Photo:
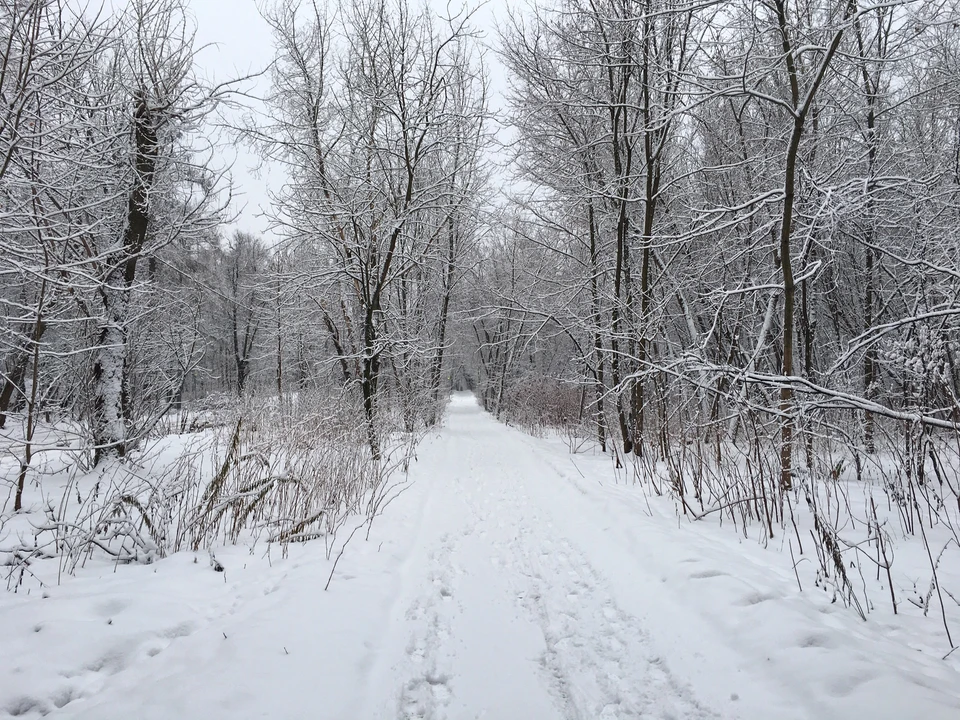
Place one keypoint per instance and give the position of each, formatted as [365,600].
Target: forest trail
[510,580]
[503,613]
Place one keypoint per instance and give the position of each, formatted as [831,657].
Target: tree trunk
[436,370]
[801,107]
[16,372]
[110,412]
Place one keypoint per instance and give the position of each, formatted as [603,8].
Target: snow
[509,580]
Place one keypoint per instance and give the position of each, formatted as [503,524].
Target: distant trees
[243,269]
[597,97]
[378,114]
[99,177]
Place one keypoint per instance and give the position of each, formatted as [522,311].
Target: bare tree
[380,111]
[244,266]
[152,71]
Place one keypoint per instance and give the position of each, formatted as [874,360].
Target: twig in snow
[793,560]
[340,554]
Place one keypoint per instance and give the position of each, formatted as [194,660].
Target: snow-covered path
[502,614]
[509,581]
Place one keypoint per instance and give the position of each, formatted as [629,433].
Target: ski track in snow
[597,661]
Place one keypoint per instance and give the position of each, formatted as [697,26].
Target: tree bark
[110,371]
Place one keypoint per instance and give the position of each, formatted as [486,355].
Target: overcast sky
[238,43]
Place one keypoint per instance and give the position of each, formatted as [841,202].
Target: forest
[714,242]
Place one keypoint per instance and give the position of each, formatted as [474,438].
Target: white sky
[236,42]
[239,43]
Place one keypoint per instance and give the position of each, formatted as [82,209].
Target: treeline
[104,197]
[732,264]
[122,293]
[726,252]
[737,212]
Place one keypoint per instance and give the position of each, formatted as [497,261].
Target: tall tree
[379,114]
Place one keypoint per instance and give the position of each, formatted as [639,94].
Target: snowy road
[510,581]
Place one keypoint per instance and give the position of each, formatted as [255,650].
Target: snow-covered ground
[509,580]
